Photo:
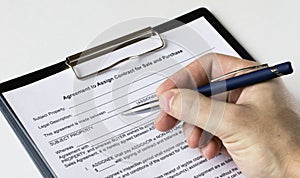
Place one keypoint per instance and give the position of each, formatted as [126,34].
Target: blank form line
[129,103]
[106,168]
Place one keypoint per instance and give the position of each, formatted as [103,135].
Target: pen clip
[251,68]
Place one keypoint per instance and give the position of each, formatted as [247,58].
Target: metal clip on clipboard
[110,54]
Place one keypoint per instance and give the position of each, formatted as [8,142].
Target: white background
[35,34]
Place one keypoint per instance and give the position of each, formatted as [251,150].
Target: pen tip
[141,109]
[127,113]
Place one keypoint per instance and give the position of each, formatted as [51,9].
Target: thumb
[194,108]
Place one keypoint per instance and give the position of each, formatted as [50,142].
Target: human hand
[258,126]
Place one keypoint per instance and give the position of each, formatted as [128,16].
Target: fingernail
[201,151]
[158,118]
[205,139]
[188,132]
[165,101]
[204,152]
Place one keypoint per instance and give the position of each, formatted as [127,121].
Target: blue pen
[218,87]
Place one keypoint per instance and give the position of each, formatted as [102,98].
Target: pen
[218,87]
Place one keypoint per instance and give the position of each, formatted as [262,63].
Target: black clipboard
[21,132]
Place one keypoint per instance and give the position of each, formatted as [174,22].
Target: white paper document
[79,130]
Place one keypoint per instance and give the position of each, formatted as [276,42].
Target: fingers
[212,148]
[209,145]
